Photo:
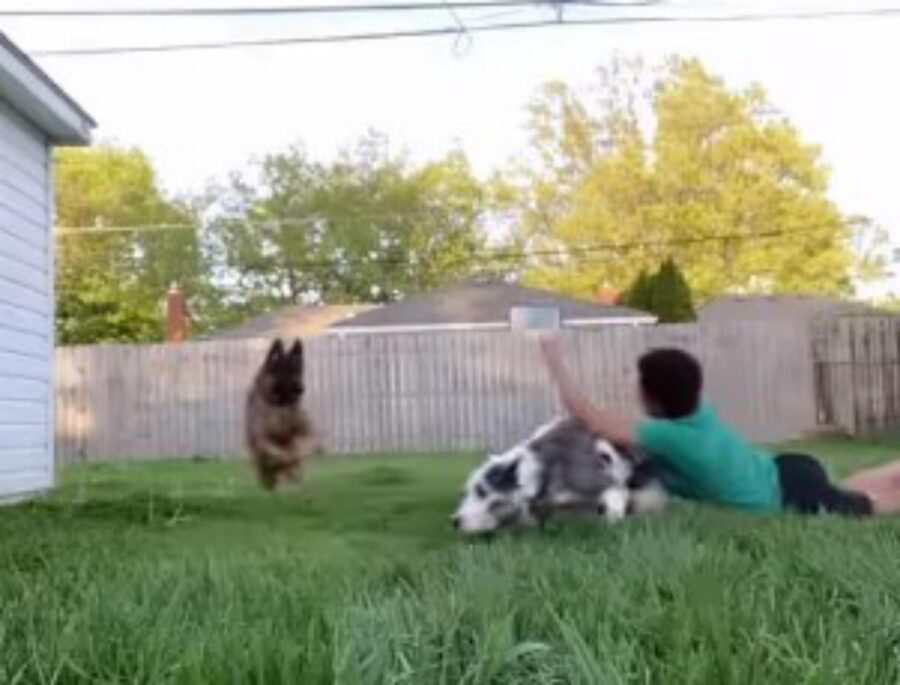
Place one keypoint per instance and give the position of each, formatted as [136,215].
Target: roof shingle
[298,321]
[480,303]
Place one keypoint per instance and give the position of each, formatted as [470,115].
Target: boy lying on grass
[703,459]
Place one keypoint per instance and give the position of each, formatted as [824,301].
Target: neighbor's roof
[481,303]
[770,307]
[34,95]
[299,321]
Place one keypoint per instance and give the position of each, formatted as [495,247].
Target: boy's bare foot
[881,484]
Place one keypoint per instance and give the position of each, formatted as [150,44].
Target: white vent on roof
[539,319]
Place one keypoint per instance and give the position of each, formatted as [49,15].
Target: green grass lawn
[187,573]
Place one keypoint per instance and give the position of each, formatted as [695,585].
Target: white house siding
[26,308]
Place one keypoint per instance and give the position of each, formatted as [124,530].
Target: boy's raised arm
[599,421]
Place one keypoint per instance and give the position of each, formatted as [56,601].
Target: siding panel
[24,183]
[32,167]
[21,319]
[21,136]
[24,229]
[22,412]
[31,343]
[27,276]
[20,482]
[19,205]
[14,388]
[14,293]
[22,436]
[19,459]
[26,458]
[33,366]
[14,247]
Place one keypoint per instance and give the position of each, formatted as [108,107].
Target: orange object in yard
[177,317]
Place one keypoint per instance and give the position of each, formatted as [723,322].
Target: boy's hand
[598,420]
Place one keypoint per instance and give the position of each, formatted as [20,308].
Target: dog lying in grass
[279,433]
[562,467]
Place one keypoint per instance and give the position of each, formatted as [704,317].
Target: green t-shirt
[704,459]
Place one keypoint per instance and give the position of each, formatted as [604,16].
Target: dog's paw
[613,504]
[649,499]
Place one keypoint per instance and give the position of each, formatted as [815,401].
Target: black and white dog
[562,467]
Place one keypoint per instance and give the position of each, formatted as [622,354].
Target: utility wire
[578,252]
[875,12]
[463,42]
[65,231]
[233,222]
[595,253]
[315,9]
[230,223]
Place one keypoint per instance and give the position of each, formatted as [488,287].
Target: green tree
[640,293]
[111,282]
[677,164]
[664,293]
[670,298]
[367,227]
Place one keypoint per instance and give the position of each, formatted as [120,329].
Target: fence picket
[475,389]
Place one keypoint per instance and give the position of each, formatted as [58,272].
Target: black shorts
[806,489]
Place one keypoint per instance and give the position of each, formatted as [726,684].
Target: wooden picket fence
[411,392]
[857,371]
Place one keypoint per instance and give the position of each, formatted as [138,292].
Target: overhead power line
[587,253]
[376,36]
[581,254]
[230,222]
[351,8]
[578,252]
[67,231]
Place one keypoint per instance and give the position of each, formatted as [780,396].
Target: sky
[200,115]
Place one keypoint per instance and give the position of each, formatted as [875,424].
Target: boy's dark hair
[672,380]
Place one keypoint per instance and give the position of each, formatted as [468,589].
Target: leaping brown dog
[279,433]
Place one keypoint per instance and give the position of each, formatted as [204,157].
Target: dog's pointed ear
[296,354]
[276,352]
